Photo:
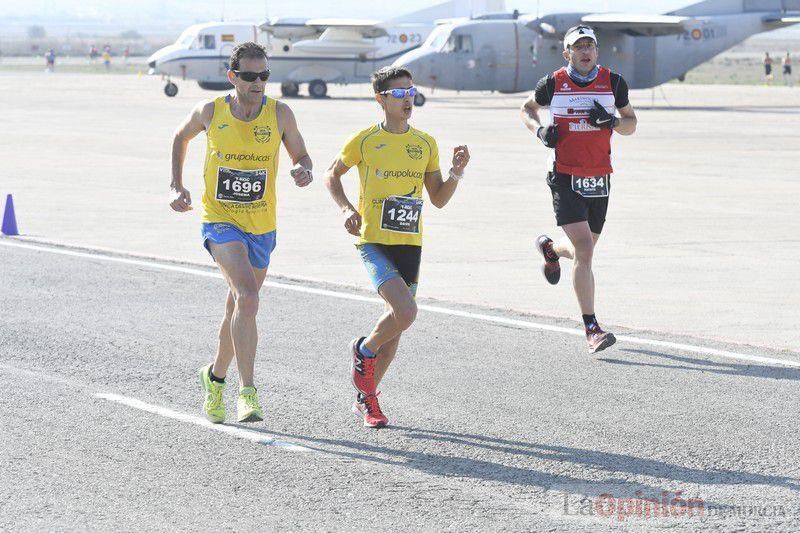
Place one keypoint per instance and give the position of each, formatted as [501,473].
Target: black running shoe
[550,268]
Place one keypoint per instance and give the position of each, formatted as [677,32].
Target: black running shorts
[571,207]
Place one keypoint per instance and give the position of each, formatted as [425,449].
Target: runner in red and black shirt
[583,98]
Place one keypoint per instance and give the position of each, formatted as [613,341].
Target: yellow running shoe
[248,408]
[213,406]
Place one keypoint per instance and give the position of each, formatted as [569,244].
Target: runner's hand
[352,222]
[548,135]
[460,159]
[181,200]
[301,175]
[599,117]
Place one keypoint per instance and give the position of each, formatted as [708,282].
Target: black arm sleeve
[620,88]
[544,90]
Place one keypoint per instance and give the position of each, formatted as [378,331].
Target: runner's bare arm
[439,190]
[333,182]
[295,146]
[627,121]
[197,121]
[530,114]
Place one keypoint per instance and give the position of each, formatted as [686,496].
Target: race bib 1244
[401,214]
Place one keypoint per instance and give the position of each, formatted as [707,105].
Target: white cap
[579,32]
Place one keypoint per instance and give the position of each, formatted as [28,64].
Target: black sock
[590,321]
[212,377]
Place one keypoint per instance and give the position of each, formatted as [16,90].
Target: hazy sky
[170,16]
[212,9]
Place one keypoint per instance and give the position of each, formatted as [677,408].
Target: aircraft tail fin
[735,7]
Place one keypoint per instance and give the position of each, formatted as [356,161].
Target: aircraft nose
[152,62]
[418,63]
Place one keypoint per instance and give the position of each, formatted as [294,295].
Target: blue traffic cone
[9,220]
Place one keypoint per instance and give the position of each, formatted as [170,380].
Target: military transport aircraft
[510,52]
[306,50]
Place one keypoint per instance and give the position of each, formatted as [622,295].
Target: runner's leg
[386,354]
[401,310]
[580,251]
[225,352]
[234,263]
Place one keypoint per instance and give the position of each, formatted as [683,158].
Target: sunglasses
[251,76]
[400,93]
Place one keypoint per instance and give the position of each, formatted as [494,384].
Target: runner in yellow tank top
[241,164]
[244,133]
[394,162]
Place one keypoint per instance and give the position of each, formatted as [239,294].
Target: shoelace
[251,400]
[550,255]
[215,393]
[367,366]
[373,408]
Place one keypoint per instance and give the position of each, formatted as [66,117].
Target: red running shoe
[362,369]
[599,340]
[551,269]
[368,407]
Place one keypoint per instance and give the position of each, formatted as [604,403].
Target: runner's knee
[405,314]
[584,249]
[246,302]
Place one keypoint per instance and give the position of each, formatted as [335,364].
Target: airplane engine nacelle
[556,25]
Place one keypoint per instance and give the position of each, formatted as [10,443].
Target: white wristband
[455,176]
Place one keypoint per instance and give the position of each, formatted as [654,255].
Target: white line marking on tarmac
[241,433]
[430,308]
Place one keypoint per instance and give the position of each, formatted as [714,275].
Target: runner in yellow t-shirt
[394,162]
[244,131]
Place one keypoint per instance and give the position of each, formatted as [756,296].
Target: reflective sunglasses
[251,76]
[400,93]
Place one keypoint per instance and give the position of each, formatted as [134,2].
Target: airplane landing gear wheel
[290,89]
[170,89]
[419,99]
[318,89]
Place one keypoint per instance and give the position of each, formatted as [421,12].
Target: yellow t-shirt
[241,163]
[392,168]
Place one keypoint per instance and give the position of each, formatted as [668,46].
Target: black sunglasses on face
[251,76]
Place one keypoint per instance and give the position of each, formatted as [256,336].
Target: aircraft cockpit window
[438,37]
[187,40]
[459,43]
[209,43]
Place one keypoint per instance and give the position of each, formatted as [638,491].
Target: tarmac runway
[701,238]
[495,425]
[500,419]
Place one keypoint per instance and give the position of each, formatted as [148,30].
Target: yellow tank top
[392,169]
[241,164]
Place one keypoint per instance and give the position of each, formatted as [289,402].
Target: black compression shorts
[571,207]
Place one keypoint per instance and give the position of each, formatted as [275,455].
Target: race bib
[401,214]
[240,186]
[590,186]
